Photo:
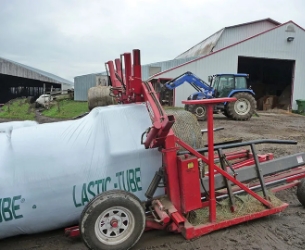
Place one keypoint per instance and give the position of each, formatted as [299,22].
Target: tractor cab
[224,84]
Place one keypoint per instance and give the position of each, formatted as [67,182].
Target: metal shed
[272,54]
[17,79]
[83,83]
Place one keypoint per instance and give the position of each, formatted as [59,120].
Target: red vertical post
[209,103]
[212,204]
[137,72]
[137,75]
[119,68]
[127,62]
[114,81]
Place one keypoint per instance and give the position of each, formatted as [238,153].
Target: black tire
[301,192]
[225,113]
[127,213]
[243,108]
[187,106]
[200,112]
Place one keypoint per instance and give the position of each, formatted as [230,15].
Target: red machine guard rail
[210,160]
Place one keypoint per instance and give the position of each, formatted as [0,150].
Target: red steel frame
[132,89]
[169,155]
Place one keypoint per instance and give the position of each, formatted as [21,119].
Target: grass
[66,109]
[17,109]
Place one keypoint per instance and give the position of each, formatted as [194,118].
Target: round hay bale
[99,96]
[186,127]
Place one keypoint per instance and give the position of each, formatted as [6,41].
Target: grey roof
[211,43]
[38,74]
[257,21]
[204,47]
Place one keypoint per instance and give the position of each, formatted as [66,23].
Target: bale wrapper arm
[190,187]
[135,90]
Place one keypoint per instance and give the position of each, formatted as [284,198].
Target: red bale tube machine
[193,179]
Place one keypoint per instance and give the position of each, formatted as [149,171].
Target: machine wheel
[243,108]
[301,192]
[112,220]
[200,112]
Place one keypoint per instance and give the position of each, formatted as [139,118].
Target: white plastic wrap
[7,127]
[49,172]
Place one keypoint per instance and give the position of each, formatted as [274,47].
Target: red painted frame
[161,135]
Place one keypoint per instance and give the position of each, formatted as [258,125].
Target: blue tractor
[220,85]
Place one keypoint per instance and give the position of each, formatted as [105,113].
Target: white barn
[273,54]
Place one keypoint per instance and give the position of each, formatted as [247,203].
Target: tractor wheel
[200,112]
[243,108]
[225,113]
[301,192]
[112,220]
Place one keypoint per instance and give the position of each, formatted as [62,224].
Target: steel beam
[269,167]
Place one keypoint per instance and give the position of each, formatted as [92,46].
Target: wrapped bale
[49,172]
[99,96]
[9,126]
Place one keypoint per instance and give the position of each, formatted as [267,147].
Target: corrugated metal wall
[83,83]
[272,44]
[235,34]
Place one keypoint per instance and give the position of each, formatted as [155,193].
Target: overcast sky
[75,37]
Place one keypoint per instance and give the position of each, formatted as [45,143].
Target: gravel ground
[284,231]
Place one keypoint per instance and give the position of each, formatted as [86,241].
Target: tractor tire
[225,113]
[301,192]
[200,111]
[187,107]
[112,220]
[243,108]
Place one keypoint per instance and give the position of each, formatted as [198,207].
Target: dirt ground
[284,231]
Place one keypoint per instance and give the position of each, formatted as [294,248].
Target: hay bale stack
[99,96]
